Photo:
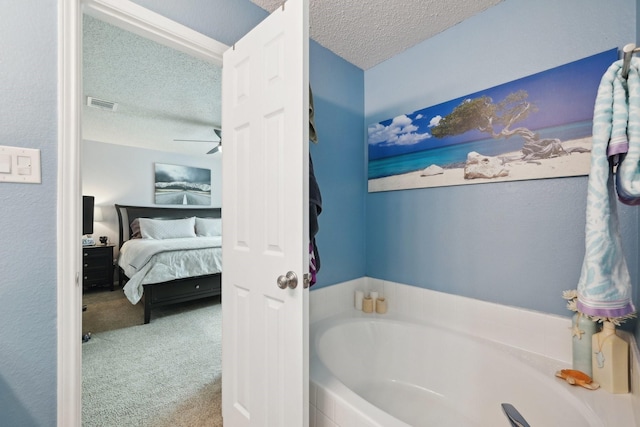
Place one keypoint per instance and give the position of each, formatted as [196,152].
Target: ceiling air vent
[101,104]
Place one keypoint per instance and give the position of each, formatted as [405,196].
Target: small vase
[582,329]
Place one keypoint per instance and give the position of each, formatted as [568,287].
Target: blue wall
[28,286]
[338,94]
[516,243]
[223,20]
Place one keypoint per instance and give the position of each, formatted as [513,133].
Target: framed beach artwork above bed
[182,185]
[531,128]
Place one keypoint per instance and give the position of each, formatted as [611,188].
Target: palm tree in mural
[497,119]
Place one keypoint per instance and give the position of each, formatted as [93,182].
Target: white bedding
[147,261]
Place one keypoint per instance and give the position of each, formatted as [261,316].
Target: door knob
[289,281]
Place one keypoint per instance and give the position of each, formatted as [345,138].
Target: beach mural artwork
[182,185]
[531,128]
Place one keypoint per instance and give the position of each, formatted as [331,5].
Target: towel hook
[628,51]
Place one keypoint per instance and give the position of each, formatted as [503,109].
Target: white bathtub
[382,371]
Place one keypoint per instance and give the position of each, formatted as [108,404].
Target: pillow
[167,228]
[209,226]
[135,229]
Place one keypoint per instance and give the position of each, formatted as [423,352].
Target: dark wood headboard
[126,215]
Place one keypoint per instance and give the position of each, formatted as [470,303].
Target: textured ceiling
[163,94]
[366,33]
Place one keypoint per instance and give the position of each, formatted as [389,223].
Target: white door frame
[141,21]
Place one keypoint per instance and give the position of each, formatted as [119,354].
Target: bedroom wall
[28,216]
[516,243]
[125,175]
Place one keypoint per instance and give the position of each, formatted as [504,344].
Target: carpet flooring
[165,373]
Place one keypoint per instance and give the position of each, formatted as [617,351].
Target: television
[87,214]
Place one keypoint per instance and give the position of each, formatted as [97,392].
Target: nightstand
[97,266]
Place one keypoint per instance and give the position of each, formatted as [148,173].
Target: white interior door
[265,124]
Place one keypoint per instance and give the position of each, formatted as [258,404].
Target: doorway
[295,27]
[166,105]
[138,20]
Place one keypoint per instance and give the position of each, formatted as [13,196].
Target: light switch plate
[19,164]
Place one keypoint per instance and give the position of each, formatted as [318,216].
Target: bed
[169,255]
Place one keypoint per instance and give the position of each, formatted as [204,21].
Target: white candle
[374,298]
[358,299]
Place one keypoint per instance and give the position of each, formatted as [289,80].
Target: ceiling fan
[216,149]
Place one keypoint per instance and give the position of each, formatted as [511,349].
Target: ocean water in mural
[455,155]
[530,121]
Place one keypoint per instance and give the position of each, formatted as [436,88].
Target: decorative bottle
[582,330]
[610,360]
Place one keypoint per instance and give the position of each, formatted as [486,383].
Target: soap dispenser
[610,363]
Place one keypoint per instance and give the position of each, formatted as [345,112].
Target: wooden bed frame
[174,291]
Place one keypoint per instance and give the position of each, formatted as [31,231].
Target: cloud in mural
[401,131]
[435,121]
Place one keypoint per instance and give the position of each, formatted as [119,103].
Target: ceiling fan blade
[216,149]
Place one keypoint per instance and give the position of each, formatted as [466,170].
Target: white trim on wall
[69,295]
[141,21]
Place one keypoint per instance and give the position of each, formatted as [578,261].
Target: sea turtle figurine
[575,377]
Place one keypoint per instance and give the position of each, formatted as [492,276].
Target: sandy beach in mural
[574,164]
